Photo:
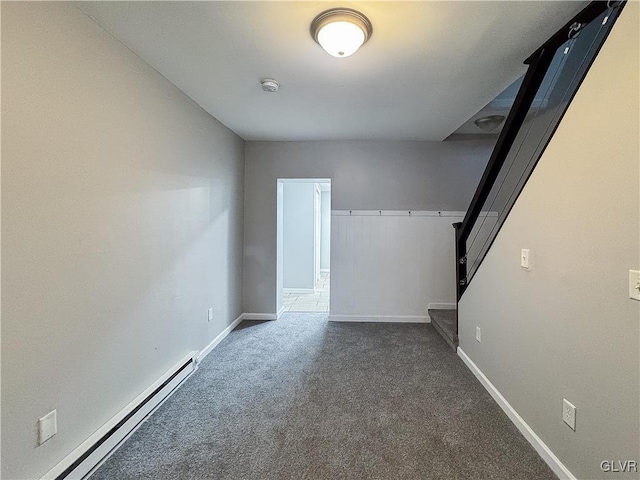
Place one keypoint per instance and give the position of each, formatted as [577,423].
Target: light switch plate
[210,314]
[634,284]
[478,334]
[47,427]
[524,258]
[569,413]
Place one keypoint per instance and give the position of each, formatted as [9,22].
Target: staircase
[444,321]
[554,74]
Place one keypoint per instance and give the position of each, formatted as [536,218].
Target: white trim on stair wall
[536,442]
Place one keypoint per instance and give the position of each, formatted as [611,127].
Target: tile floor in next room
[309,302]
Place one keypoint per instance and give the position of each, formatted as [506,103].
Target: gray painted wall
[298,235]
[365,175]
[122,223]
[325,230]
[567,328]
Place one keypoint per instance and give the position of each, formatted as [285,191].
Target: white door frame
[317,199]
[279,223]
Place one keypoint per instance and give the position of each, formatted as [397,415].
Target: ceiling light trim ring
[341,14]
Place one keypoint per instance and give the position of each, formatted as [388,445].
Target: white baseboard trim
[205,351]
[301,291]
[94,451]
[380,318]
[280,312]
[259,316]
[536,442]
[441,306]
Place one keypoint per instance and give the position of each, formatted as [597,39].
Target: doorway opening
[303,245]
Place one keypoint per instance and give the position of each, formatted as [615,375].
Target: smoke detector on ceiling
[269,85]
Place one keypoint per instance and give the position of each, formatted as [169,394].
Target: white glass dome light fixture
[341,31]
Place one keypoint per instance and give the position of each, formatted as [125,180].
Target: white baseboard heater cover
[100,450]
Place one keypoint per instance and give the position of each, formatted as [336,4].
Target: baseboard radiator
[91,454]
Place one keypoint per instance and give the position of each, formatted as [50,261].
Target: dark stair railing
[554,74]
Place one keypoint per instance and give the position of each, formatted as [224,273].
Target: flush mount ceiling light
[341,31]
[490,123]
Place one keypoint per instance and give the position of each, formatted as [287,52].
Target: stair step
[444,321]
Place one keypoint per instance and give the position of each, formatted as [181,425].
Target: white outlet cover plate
[47,427]
[569,413]
[634,282]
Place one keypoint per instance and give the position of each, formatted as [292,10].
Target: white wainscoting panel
[393,264]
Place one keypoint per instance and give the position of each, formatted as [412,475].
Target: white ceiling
[427,69]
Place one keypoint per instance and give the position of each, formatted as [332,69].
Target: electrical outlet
[569,413]
[478,334]
[524,258]
[210,314]
[47,427]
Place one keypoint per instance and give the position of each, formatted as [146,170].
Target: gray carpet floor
[302,398]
